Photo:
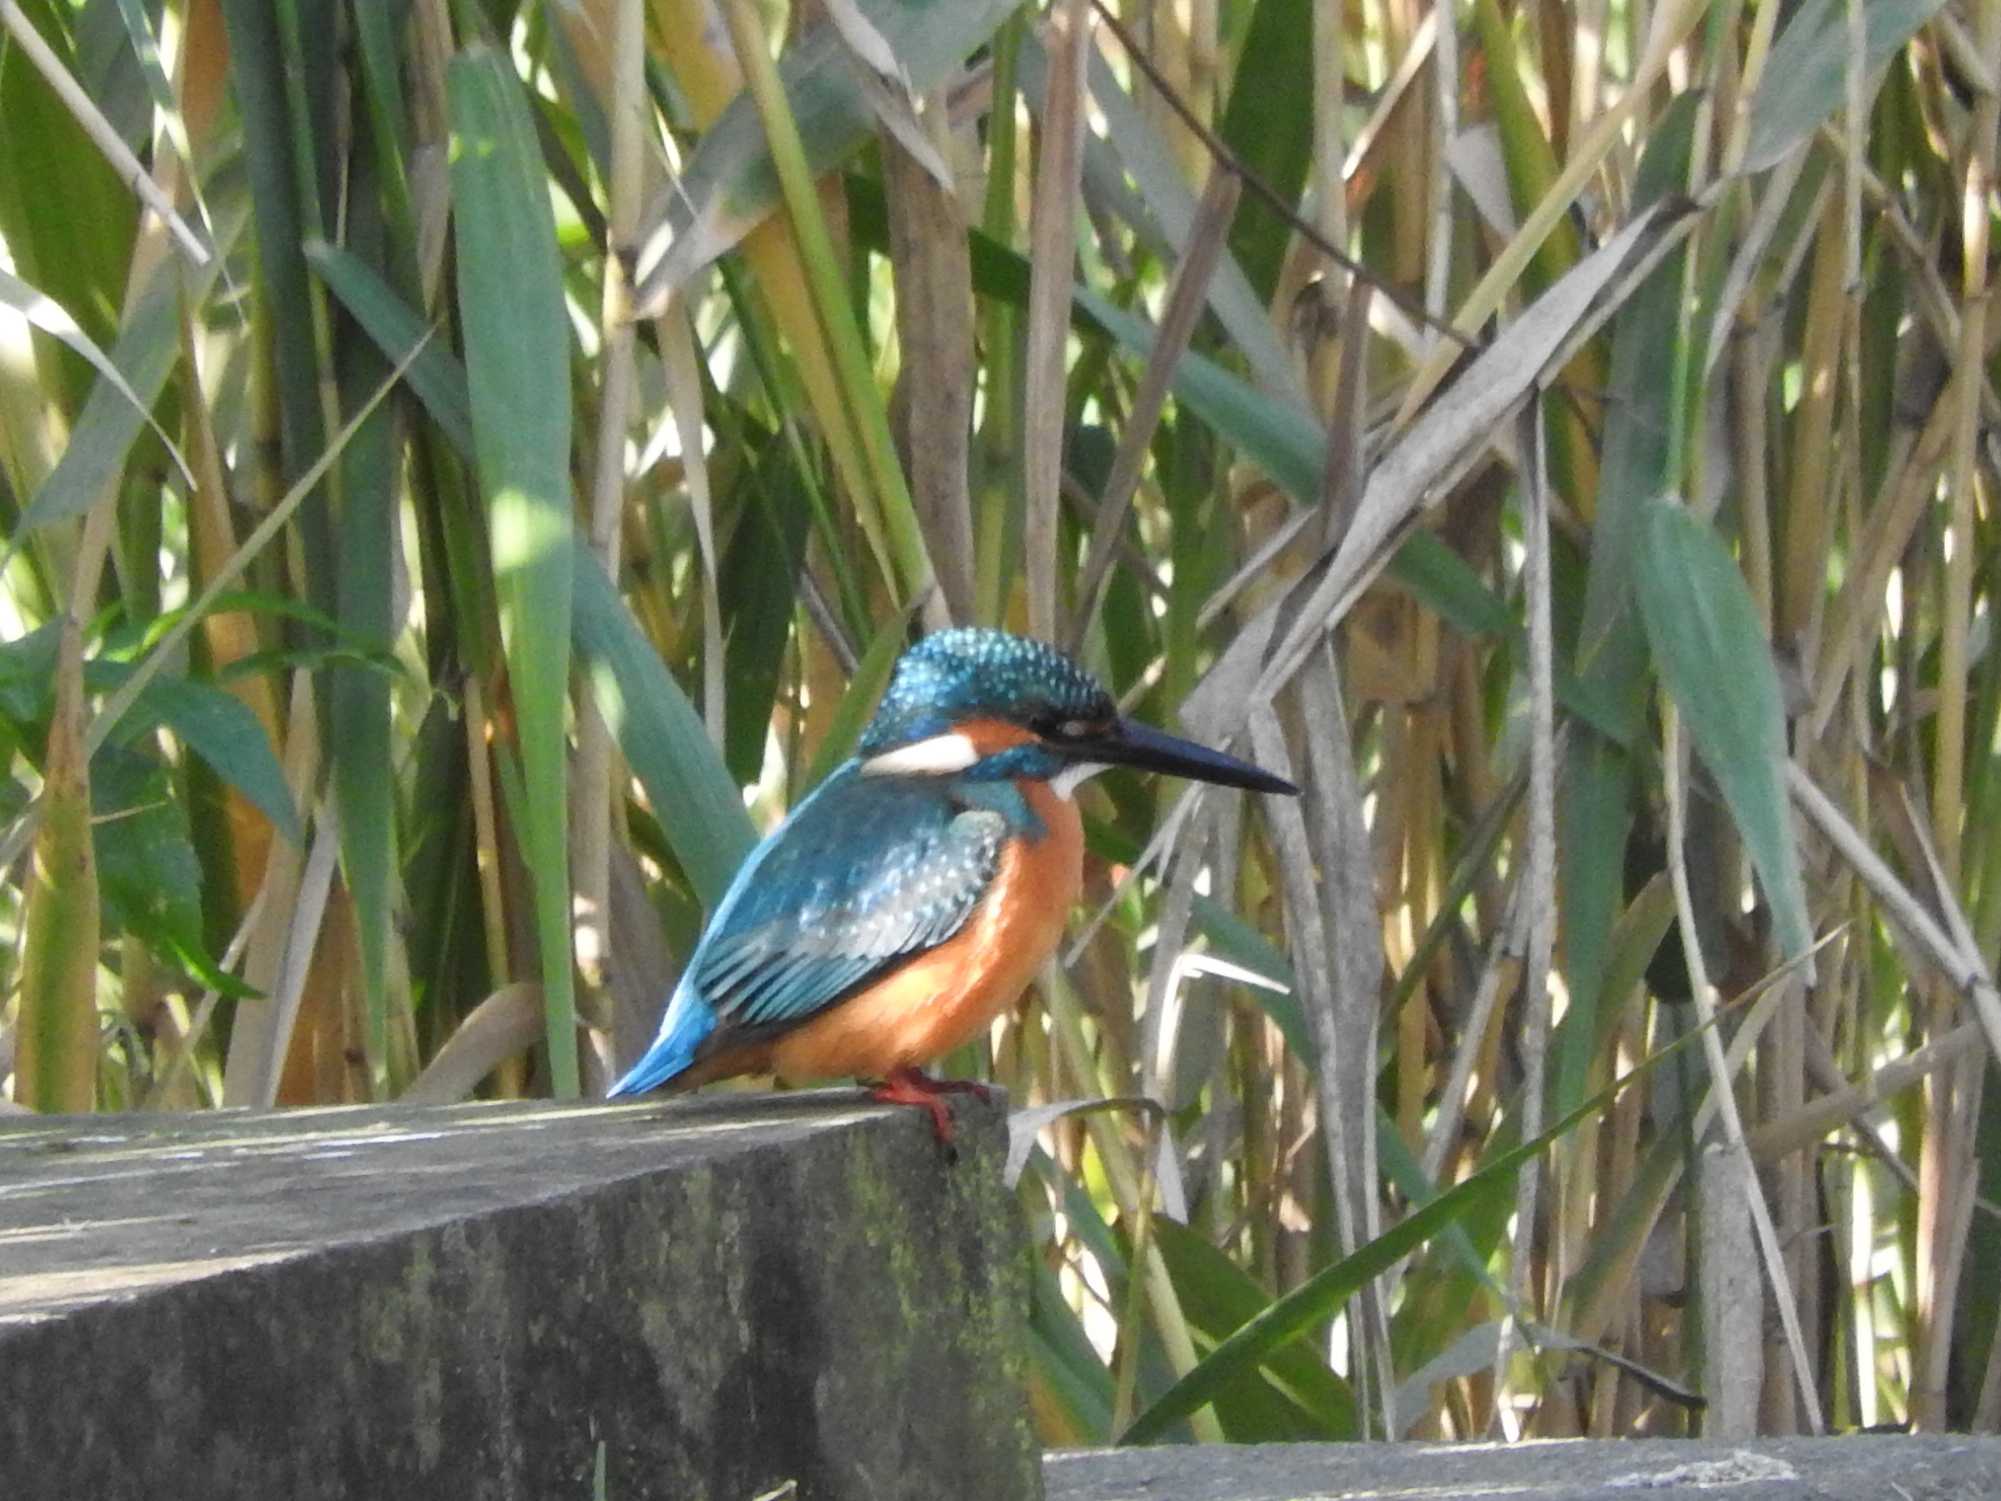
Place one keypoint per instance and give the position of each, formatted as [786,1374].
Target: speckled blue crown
[964,674]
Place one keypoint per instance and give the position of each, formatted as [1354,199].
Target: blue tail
[683,1029]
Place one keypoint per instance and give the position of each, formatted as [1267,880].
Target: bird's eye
[1052,724]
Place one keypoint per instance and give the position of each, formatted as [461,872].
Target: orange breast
[929,1005]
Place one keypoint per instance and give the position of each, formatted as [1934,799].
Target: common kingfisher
[912,896]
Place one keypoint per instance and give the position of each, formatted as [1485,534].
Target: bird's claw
[912,1086]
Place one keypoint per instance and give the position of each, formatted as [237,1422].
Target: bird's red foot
[912,1086]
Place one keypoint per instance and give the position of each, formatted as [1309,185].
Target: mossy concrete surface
[1875,1467]
[708,1298]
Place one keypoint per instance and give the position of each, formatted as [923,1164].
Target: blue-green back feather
[867,872]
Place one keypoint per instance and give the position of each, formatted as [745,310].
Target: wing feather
[862,877]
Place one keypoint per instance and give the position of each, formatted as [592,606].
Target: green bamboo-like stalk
[885,505]
[994,500]
[56,1064]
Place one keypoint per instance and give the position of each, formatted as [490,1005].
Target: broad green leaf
[219,727]
[1237,941]
[1063,1363]
[1611,650]
[517,338]
[1294,1396]
[147,871]
[1268,123]
[1805,75]
[1595,810]
[65,217]
[443,943]
[755,589]
[1594,815]
[28,674]
[435,375]
[1711,652]
[660,734]
[214,724]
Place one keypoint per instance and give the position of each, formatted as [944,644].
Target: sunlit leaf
[53,319]
[117,411]
[518,363]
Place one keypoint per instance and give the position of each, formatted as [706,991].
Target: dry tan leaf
[507,1022]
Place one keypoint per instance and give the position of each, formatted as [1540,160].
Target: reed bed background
[466,467]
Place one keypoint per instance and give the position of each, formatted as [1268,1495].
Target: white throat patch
[1070,778]
[941,755]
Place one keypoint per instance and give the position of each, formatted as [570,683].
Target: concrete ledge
[1867,1468]
[720,1295]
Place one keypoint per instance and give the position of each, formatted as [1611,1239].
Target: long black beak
[1130,743]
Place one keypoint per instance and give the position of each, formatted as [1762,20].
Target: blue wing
[863,874]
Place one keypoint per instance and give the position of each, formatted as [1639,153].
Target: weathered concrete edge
[841,1309]
[1941,1467]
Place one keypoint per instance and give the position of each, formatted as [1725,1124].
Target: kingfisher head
[986,704]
